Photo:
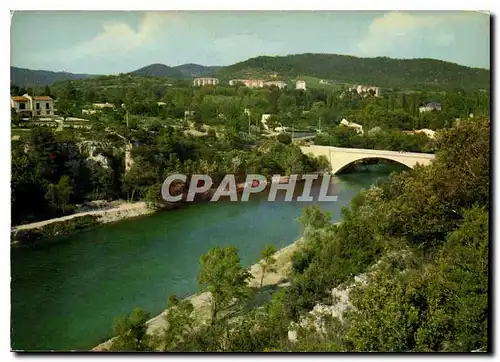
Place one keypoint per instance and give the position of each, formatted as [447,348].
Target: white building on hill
[357,127]
[278,83]
[200,82]
[250,83]
[300,84]
[364,90]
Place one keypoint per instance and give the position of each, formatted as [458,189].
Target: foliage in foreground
[427,232]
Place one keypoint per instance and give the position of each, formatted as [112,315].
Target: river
[66,292]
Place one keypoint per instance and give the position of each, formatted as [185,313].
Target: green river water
[66,292]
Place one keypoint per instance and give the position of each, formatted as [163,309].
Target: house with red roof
[33,106]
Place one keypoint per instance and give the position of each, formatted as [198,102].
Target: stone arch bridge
[341,157]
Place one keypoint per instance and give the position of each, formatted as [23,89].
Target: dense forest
[382,140]
[411,255]
[52,172]
[381,71]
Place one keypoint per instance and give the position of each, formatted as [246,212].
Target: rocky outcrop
[339,300]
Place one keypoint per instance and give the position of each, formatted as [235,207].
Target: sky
[111,42]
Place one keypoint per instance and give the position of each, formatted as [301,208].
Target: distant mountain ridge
[382,71]
[23,77]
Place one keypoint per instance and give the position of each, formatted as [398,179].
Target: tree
[65,108]
[14,90]
[131,333]
[267,260]
[223,276]
[47,92]
[441,305]
[14,116]
[153,198]
[179,322]
[68,100]
[284,138]
[59,194]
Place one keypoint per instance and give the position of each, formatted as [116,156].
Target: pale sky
[110,42]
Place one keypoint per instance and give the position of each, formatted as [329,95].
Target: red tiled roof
[42,98]
[19,99]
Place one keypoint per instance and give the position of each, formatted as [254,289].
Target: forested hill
[31,78]
[158,70]
[382,71]
[196,70]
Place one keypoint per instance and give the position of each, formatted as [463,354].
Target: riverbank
[57,226]
[201,302]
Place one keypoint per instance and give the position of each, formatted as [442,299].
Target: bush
[284,138]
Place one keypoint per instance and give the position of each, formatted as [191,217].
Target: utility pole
[319,125]
[126,113]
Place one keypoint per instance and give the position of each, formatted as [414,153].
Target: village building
[357,127]
[33,106]
[201,82]
[300,84]
[277,83]
[365,90]
[431,106]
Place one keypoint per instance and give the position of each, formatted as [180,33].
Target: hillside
[158,70]
[196,70]
[382,71]
[30,78]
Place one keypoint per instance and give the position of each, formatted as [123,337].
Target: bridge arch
[340,157]
[339,167]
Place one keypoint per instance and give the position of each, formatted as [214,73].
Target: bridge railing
[370,151]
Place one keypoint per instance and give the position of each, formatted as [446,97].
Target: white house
[189,113]
[300,84]
[103,105]
[264,119]
[281,129]
[33,106]
[278,83]
[428,132]
[365,90]
[200,82]
[432,106]
[250,83]
[357,127]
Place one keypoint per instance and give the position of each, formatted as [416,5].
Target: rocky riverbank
[78,221]
[201,301]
